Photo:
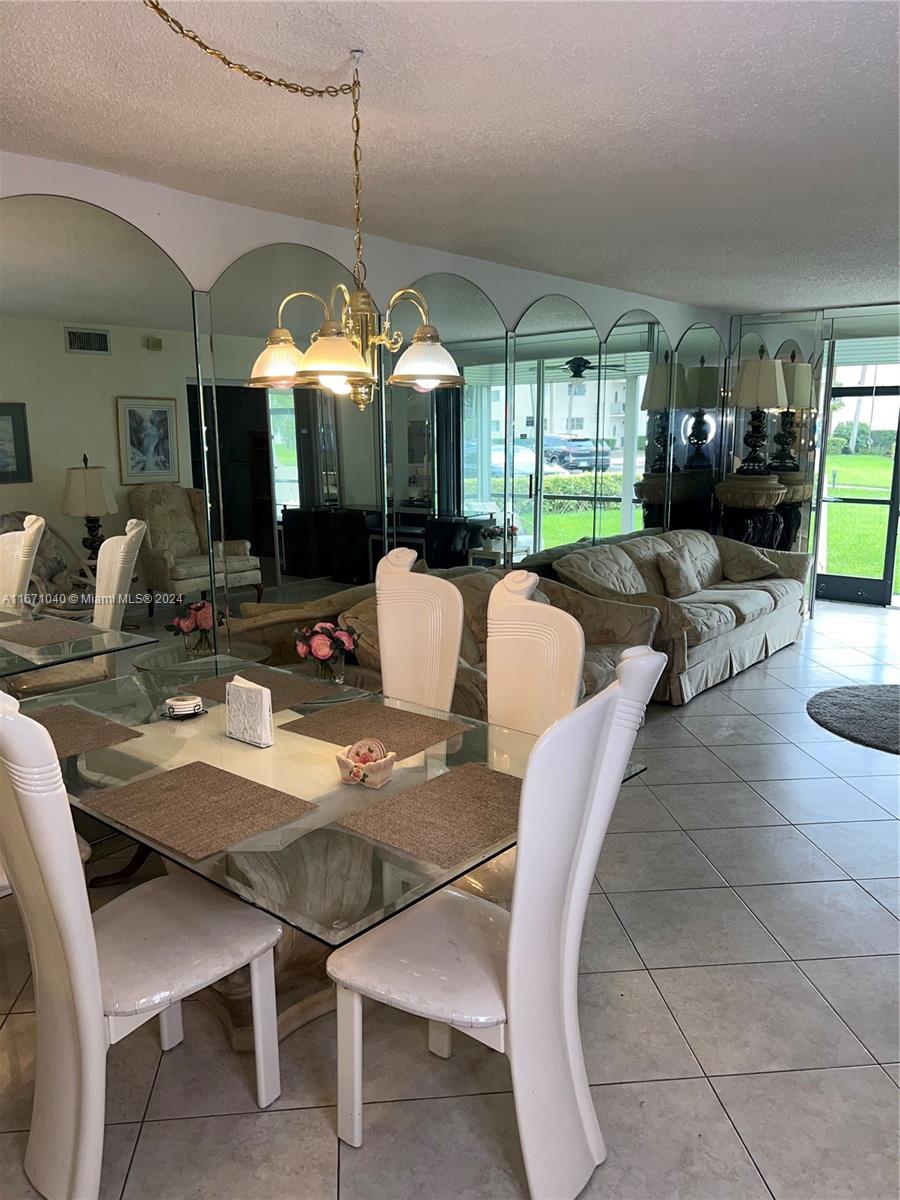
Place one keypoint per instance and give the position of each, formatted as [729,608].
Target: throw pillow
[746,564]
[679,573]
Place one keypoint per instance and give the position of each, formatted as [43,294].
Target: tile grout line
[141,1124]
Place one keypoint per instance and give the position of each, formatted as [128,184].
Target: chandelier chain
[359,267]
[296,89]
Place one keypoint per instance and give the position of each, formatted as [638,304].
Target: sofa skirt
[733,652]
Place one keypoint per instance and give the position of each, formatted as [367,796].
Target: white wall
[204,236]
[71,408]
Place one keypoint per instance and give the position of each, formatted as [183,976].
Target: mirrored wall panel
[99,420]
[698,416]
[560,467]
[639,384]
[297,471]
[445,445]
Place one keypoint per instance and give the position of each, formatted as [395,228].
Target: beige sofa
[711,634]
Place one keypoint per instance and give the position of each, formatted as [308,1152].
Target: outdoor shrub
[836,445]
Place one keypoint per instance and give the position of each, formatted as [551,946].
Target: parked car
[575,453]
[524,462]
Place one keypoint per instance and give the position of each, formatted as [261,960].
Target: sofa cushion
[704,552]
[746,603]
[678,572]
[743,564]
[600,666]
[602,569]
[783,591]
[707,619]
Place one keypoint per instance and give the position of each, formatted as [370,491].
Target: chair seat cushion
[170,937]
[196,566]
[56,679]
[408,961]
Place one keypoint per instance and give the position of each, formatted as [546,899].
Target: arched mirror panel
[97,421]
[560,477]
[638,387]
[445,445]
[300,464]
[698,419]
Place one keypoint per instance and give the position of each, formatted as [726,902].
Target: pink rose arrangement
[327,644]
[196,618]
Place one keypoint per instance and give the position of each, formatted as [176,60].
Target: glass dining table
[315,872]
[28,643]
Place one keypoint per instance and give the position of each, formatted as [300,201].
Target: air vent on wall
[87,341]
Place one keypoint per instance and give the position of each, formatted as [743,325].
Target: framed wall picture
[15,455]
[148,439]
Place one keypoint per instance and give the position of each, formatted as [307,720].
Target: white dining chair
[535,657]
[18,550]
[98,979]
[115,569]
[510,980]
[420,623]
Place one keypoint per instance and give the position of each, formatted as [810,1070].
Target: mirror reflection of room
[96,426]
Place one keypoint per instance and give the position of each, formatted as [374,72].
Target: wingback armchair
[175,553]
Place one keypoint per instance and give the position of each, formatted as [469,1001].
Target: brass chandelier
[343,355]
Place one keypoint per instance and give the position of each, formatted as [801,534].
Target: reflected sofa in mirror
[696,425]
[445,446]
[641,385]
[564,458]
[97,362]
[300,467]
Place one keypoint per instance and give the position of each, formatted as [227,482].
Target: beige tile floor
[739,996]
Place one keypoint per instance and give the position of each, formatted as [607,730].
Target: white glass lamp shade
[425,364]
[798,384]
[88,493]
[279,363]
[760,384]
[332,361]
[703,384]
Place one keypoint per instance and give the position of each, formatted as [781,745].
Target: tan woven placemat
[199,809]
[403,732]
[46,632]
[446,820]
[74,730]
[287,690]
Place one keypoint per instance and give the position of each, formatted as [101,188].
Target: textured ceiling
[738,155]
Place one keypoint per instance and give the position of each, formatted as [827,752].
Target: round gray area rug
[869,715]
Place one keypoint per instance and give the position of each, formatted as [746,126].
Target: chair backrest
[420,620]
[115,568]
[40,855]
[18,551]
[571,784]
[170,512]
[535,657]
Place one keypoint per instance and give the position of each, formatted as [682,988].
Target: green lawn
[864,475]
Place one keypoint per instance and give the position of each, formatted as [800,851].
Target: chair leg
[440,1038]
[349,1056]
[265,1029]
[171,1026]
[260,589]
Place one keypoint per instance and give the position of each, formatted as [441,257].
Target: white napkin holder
[248,712]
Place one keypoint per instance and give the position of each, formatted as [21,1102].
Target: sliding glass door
[859,491]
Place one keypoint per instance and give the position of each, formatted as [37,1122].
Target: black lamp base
[94,538]
[783,459]
[755,439]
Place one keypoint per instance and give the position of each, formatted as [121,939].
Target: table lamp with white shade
[798,385]
[89,495]
[759,387]
[656,400]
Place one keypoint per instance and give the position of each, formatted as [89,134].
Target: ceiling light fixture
[344,355]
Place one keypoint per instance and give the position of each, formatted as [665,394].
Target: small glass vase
[202,646]
[332,668]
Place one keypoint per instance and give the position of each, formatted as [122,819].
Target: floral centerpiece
[196,619]
[326,645]
[491,534]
